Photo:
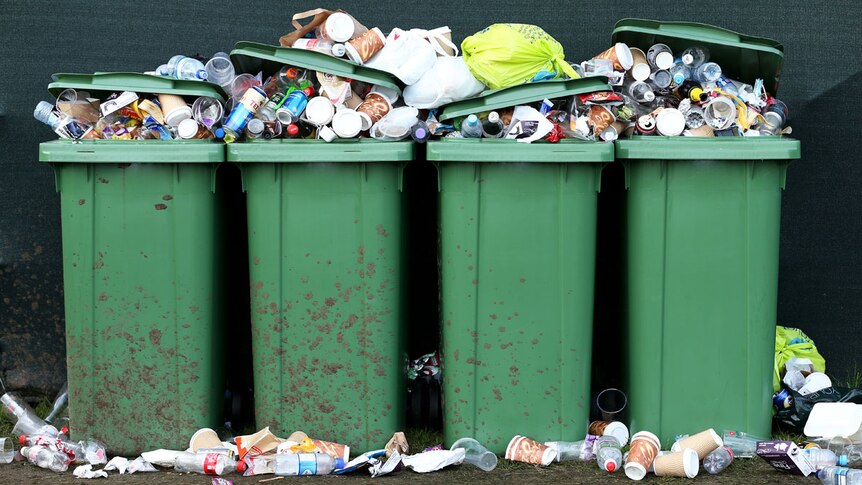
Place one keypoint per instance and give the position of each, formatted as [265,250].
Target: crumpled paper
[379,468]
[398,443]
[86,471]
[124,465]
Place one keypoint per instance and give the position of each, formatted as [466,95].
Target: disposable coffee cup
[527,450]
[618,430]
[362,48]
[643,451]
[683,464]
[620,54]
[326,134]
[388,93]
[319,110]
[175,109]
[346,123]
[640,69]
[660,56]
[188,129]
[374,107]
[204,437]
[703,443]
[670,122]
[338,27]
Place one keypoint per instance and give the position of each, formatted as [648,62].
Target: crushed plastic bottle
[205,463]
[718,460]
[821,458]
[47,458]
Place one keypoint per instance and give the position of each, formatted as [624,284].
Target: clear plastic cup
[220,70]
[7,450]
[476,454]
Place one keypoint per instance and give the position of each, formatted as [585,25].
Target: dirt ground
[744,471]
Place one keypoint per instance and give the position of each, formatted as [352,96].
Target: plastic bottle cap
[610,465]
[292,130]
[241,466]
[187,129]
[649,96]
[493,117]
[22,439]
[471,120]
[219,133]
[688,59]
[309,91]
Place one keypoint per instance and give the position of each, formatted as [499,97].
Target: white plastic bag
[406,56]
[440,38]
[448,81]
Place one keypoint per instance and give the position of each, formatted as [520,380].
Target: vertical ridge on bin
[477,180]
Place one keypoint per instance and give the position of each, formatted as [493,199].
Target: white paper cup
[326,134]
[347,123]
[319,110]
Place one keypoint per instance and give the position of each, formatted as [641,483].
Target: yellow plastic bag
[504,55]
[789,343]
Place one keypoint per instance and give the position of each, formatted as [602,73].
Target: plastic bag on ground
[793,418]
[405,55]
[789,343]
[448,81]
[504,55]
[430,461]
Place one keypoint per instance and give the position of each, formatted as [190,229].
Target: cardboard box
[785,456]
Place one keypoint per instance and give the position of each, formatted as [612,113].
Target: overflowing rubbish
[791,345]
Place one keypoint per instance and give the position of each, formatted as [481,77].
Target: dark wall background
[820,288]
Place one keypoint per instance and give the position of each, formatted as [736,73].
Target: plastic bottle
[692,90]
[821,458]
[190,68]
[320,45]
[205,463]
[242,113]
[708,72]
[289,464]
[172,65]
[834,475]
[492,126]
[609,456]
[573,450]
[46,458]
[847,453]
[290,76]
[742,444]
[63,125]
[718,460]
[471,128]
[641,92]
[26,420]
[59,403]
[679,73]
[694,57]
[420,132]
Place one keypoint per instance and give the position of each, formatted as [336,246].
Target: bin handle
[782,173]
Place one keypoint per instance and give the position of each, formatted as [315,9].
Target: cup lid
[635,470]
[187,128]
[690,462]
[339,27]
[175,117]
[619,431]
[670,122]
[641,72]
[347,123]
[319,110]
[624,55]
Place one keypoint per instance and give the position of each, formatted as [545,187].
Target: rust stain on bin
[161,207]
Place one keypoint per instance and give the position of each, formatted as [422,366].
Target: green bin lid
[251,57]
[319,151]
[741,57]
[110,82]
[509,151]
[131,151]
[523,93]
[708,148]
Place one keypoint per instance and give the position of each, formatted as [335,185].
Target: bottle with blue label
[708,72]
[300,464]
[242,113]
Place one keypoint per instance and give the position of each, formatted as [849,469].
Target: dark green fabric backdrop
[821,269]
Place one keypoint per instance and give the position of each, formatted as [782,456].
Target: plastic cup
[7,450]
[476,454]
[220,70]
[242,83]
[611,402]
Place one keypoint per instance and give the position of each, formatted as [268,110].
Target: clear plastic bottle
[718,460]
[492,126]
[320,45]
[205,463]
[26,420]
[60,403]
[172,65]
[641,92]
[190,68]
[679,73]
[420,132]
[694,57]
[609,455]
[45,457]
[574,450]
[708,72]
[289,464]
[821,458]
[471,128]
[832,475]
[742,444]
[63,125]
[847,453]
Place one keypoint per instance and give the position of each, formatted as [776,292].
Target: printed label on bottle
[210,462]
[252,99]
[307,464]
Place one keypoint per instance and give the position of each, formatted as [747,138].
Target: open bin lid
[741,57]
[110,82]
[251,57]
[521,94]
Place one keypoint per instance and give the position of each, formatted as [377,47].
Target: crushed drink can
[782,400]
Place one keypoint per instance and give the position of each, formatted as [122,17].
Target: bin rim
[110,82]
[132,151]
[742,57]
[522,94]
[250,56]
[695,148]
[482,150]
[361,150]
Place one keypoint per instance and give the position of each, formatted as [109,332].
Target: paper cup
[389,93]
[670,122]
[319,110]
[600,117]
[335,450]
[326,134]
[526,450]
[363,48]
[617,429]
[621,56]
[204,438]
[640,69]
[346,123]
[338,27]
[174,108]
[597,428]
[684,464]
[703,443]
[375,107]
[643,451]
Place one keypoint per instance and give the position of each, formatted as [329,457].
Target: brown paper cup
[703,443]
[362,48]
[204,438]
[644,449]
[600,118]
[684,464]
[335,450]
[621,56]
[597,428]
[640,69]
[527,450]
[376,106]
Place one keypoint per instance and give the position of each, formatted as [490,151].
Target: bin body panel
[702,258]
[324,249]
[518,261]
[143,328]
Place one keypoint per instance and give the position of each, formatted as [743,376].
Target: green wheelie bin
[141,249]
[517,248]
[702,238]
[324,231]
